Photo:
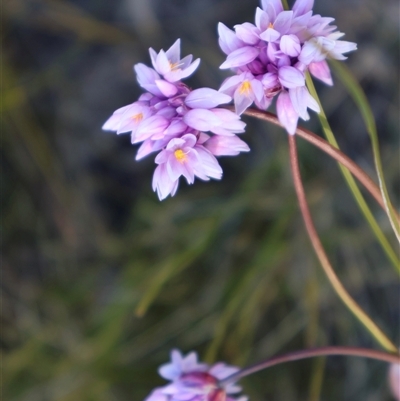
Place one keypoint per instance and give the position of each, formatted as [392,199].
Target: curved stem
[311,353]
[359,97]
[319,250]
[339,156]
[335,153]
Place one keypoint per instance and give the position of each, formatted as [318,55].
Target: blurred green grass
[101,280]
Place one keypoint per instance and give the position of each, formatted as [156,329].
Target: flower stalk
[311,353]
[352,167]
[376,332]
[353,186]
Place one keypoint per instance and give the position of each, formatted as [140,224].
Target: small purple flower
[194,381]
[272,57]
[171,66]
[183,157]
[172,118]
[245,89]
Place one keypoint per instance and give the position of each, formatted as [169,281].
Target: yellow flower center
[175,66]
[245,88]
[180,156]
[137,117]
[271,25]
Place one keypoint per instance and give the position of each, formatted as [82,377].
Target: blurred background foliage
[101,280]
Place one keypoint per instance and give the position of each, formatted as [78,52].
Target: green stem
[352,184]
[341,158]
[320,252]
[358,95]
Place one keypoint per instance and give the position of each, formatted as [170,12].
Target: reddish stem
[335,153]
[310,353]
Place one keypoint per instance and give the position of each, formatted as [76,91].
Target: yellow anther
[245,88]
[175,66]
[271,25]
[137,117]
[180,156]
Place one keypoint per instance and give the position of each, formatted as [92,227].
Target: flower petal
[220,145]
[301,7]
[240,57]
[286,113]
[321,71]
[206,98]
[201,119]
[290,45]
[228,41]
[166,88]
[291,77]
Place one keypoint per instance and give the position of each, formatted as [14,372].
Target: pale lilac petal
[283,22]
[257,88]
[208,164]
[149,127]
[153,56]
[242,101]
[342,46]
[240,57]
[272,50]
[201,119]
[163,65]
[248,33]
[290,45]
[112,124]
[157,395]
[316,49]
[283,61]
[291,77]
[173,144]
[176,127]
[301,7]
[222,371]
[299,26]
[206,98]
[230,123]
[175,168]
[178,74]
[189,362]
[228,41]
[276,4]
[264,103]
[230,84]
[148,147]
[166,88]
[270,80]
[132,117]
[184,63]
[190,141]
[164,187]
[167,112]
[321,71]
[286,113]
[220,145]
[312,103]
[174,52]
[146,78]
[270,35]
[394,380]
[298,97]
[262,19]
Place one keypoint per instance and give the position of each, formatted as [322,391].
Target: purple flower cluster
[194,381]
[172,118]
[271,58]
